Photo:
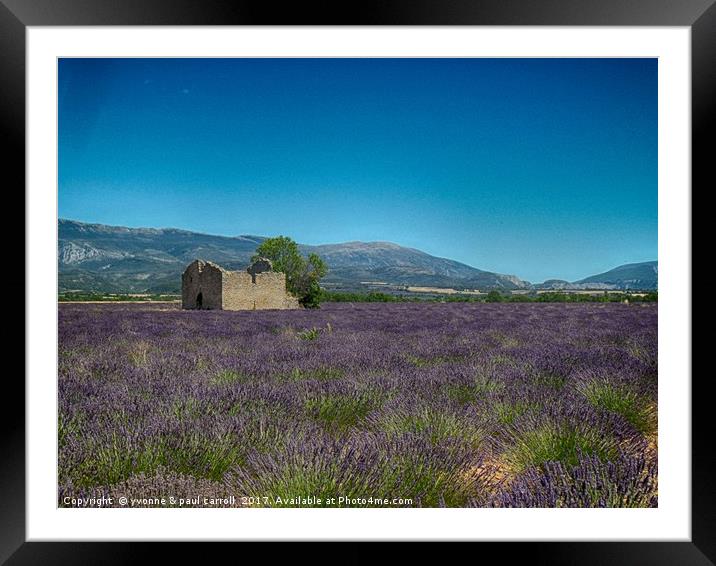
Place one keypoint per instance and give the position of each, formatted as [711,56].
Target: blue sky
[542,168]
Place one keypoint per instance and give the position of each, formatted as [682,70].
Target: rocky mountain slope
[96,257]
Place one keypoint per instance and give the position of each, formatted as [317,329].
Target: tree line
[493,296]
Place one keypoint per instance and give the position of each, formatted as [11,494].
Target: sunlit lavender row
[458,405]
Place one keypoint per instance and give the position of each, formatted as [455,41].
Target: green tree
[303,275]
[494,296]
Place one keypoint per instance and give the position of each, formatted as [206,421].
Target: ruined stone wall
[269,291]
[233,290]
[190,286]
[237,293]
[205,278]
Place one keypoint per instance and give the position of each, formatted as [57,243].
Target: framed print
[300,276]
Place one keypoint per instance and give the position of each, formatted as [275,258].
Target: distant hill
[96,257]
[643,275]
[556,284]
[115,259]
[355,262]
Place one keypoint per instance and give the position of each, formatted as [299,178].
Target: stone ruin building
[206,285]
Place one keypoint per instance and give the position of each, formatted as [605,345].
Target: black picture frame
[16,15]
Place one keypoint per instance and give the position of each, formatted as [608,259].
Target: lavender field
[396,404]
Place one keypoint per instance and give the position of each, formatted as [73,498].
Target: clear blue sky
[542,168]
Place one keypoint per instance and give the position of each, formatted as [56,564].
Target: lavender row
[438,404]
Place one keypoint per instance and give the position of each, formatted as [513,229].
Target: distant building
[206,285]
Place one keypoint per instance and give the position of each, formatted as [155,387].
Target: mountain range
[97,257]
